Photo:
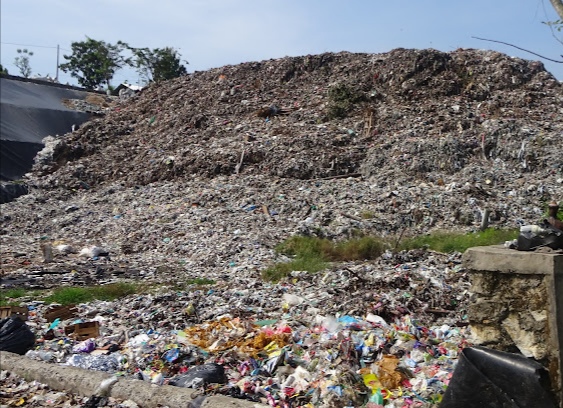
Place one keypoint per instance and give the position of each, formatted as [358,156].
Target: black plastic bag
[200,375]
[496,379]
[550,237]
[15,336]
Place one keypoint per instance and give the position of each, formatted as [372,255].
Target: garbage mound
[199,178]
[326,115]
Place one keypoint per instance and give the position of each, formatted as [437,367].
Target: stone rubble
[201,177]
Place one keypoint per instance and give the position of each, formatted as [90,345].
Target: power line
[32,45]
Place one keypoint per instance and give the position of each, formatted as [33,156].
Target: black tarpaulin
[28,113]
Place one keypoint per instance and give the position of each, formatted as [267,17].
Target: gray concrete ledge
[497,258]
[86,382]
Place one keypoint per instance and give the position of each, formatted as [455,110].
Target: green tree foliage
[22,62]
[3,70]
[158,64]
[94,63]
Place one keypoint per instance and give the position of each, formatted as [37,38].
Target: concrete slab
[497,258]
[86,382]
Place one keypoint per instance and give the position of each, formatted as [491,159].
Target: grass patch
[281,270]
[201,282]
[358,249]
[74,295]
[367,215]
[11,297]
[447,242]
[314,254]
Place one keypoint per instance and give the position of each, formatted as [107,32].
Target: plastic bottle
[535,229]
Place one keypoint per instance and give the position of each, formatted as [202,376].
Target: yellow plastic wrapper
[372,382]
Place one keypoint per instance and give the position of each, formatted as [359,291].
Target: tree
[94,63]
[3,70]
[22,62]
[558,6]
[556,25]
[158,64]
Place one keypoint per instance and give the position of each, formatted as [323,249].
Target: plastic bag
[15,336]
[497,379]
[200,375]
[109,363]
[532,237]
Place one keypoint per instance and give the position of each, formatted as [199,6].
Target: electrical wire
[36,46]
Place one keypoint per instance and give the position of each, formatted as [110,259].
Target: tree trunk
[558,6]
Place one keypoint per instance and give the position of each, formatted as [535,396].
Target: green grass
[11,297]
[358,249]
[74,295]
[367,215]
[281,270]
[201,282]
[315,254]
[447,242]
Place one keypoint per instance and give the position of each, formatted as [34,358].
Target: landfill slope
[199,178]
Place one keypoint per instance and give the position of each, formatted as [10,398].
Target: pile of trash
[199,178]
[388,331]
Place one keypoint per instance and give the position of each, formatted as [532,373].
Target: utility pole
[57,74]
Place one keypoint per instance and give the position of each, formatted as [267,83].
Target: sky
[214,33]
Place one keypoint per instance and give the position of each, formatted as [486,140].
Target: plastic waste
[491,378]
[87,346]
[199,376]
[532,237]
[105,386]
[103,362]
[15,336]
[536,229]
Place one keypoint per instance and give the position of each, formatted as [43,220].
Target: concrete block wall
[517,304]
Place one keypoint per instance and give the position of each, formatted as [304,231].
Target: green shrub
[447,242]
[341,100]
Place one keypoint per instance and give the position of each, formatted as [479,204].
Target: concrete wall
[517,304]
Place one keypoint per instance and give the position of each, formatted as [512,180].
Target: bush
[341,101]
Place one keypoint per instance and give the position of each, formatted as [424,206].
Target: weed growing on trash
[200,282]
[358,249]
[74,295]
[341,101]
[447,242]
[5,295]
[367,215]
[281,270]
[314,254]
